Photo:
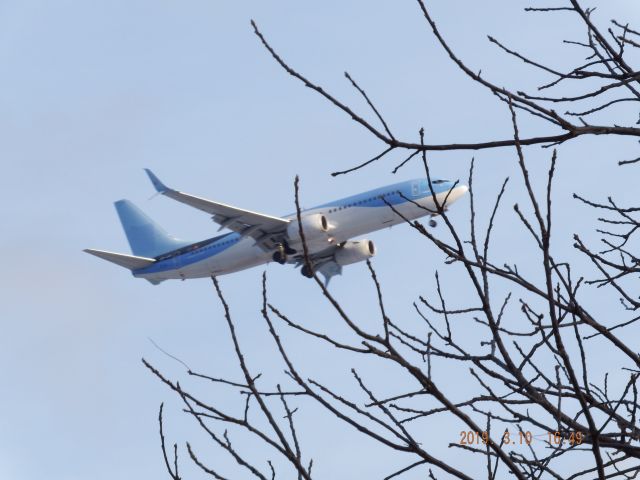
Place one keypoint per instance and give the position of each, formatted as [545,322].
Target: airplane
[257,239]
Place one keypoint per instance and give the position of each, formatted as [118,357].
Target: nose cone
[457,192]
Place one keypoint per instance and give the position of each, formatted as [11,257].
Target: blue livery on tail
[256,238]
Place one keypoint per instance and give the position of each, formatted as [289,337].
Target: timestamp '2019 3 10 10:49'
[520,438]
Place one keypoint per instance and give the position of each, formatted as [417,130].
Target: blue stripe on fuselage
[191,254]
[395,194]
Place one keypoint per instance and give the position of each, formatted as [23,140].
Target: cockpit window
[439,181]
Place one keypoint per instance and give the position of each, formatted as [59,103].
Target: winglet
[157,184]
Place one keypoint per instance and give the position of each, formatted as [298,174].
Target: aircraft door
[419,188]
[415,189]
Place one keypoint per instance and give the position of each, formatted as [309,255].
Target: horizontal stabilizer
[127,261]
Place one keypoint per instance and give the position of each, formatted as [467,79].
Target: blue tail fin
[146,238]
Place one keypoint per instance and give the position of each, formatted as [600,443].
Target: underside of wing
[265,229]
[329,262]
[323,262]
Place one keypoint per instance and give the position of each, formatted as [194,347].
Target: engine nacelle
[354,251]
[316,230]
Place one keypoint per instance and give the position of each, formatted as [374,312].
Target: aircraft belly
[245,254]
[411,211]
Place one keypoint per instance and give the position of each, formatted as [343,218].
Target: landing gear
[306,271]
[283,250]
[280,255]
[433,223]
[287,249]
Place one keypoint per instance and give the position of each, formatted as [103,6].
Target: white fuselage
[233,252]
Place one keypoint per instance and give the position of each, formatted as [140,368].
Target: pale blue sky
[92,92]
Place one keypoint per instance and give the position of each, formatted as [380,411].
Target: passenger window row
[361,202]
[194,249]
[226,242]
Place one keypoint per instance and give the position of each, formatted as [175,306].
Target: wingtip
[157,184]
[92,251]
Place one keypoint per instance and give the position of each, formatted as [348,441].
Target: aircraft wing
[265,229]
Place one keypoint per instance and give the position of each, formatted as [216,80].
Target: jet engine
[317,232]
[354,251]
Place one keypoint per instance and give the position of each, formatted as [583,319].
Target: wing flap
[227,214]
